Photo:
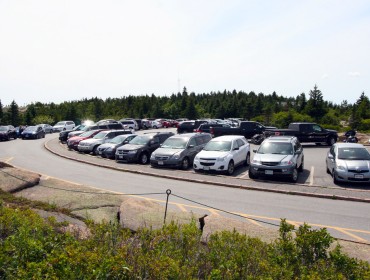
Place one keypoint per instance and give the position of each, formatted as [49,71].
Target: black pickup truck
[307,132]
[246,128]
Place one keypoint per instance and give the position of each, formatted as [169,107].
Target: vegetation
[270,109]
[34,248]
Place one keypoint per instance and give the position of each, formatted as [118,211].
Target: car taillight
[211,130]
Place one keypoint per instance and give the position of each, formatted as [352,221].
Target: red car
[73,142]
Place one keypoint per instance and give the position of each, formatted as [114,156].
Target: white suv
[223,154]
[64,125]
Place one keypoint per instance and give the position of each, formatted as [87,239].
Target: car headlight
[109,149]
[286,162]
[152,156]
[341,167]
[176,156]
[132,152]
[255,161]
[221,159]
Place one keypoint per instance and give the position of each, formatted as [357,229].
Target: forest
[270,109]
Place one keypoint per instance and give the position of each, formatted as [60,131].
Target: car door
[243,149]
[235,151]
[193,147]
[297,149]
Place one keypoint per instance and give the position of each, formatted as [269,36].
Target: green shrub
[33,248]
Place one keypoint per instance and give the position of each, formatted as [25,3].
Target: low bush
[31,247]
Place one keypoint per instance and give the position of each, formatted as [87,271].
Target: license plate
[206,167]
[160,162]
[120,157]
[269,172]
[359,176]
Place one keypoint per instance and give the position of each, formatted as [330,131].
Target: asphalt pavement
[359,193]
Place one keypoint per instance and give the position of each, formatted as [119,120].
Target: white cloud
[354,74]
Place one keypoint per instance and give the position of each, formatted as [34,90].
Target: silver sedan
[348,162]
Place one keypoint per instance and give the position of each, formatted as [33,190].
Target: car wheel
[143,158]
[294,177]
[230,168]
[331,141]
[335,177]
[247,161]
[300,168]
[251,174]
[185,164]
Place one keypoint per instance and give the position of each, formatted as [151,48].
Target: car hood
[212,154]
[131,147]
[271,157]
[167,151]
[108,145]
[93,141]
[355,164]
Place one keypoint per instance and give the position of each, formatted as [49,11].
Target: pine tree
[1,112]
[315,105]
[14,114]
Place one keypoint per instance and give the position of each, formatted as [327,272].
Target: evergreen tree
[14,114]
[315,105]
[1,112]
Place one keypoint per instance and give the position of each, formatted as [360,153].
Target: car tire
[143,159]
[301,167]
[185,164]
[247,161]
[335,179]
[294,176]
[251,174]
[230,168]
[331,141]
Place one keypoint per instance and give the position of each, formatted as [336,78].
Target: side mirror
[255,151]
[236,149]
[191,146]
[331,156]
[298,152]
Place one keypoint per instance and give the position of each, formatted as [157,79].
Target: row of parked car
[8,132]
[277,156]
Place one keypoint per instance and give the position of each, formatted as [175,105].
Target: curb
[325,196]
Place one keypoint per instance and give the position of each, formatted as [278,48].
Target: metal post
[168,192]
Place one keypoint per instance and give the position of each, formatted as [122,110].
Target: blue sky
[55,51]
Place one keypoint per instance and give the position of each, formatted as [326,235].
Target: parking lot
[314,173]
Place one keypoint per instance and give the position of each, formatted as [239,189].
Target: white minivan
[64,125]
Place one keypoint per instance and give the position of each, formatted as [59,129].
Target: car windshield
[218,146]
[60,123]
[174,143]
[127,122]
[30,128]
[353,154]
[87,133]
[276,148]
[100,135]
[118,139]
[140,140]
[3,128]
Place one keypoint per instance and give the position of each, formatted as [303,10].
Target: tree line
[270,109]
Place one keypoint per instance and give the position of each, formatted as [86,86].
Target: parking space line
[252,221]
[311,175]
[7,160]
[214,212]
[243,175]
[352,235]
[182,208]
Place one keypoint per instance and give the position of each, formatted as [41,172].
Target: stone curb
[325,196]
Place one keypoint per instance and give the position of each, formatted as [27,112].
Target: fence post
[168,192]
